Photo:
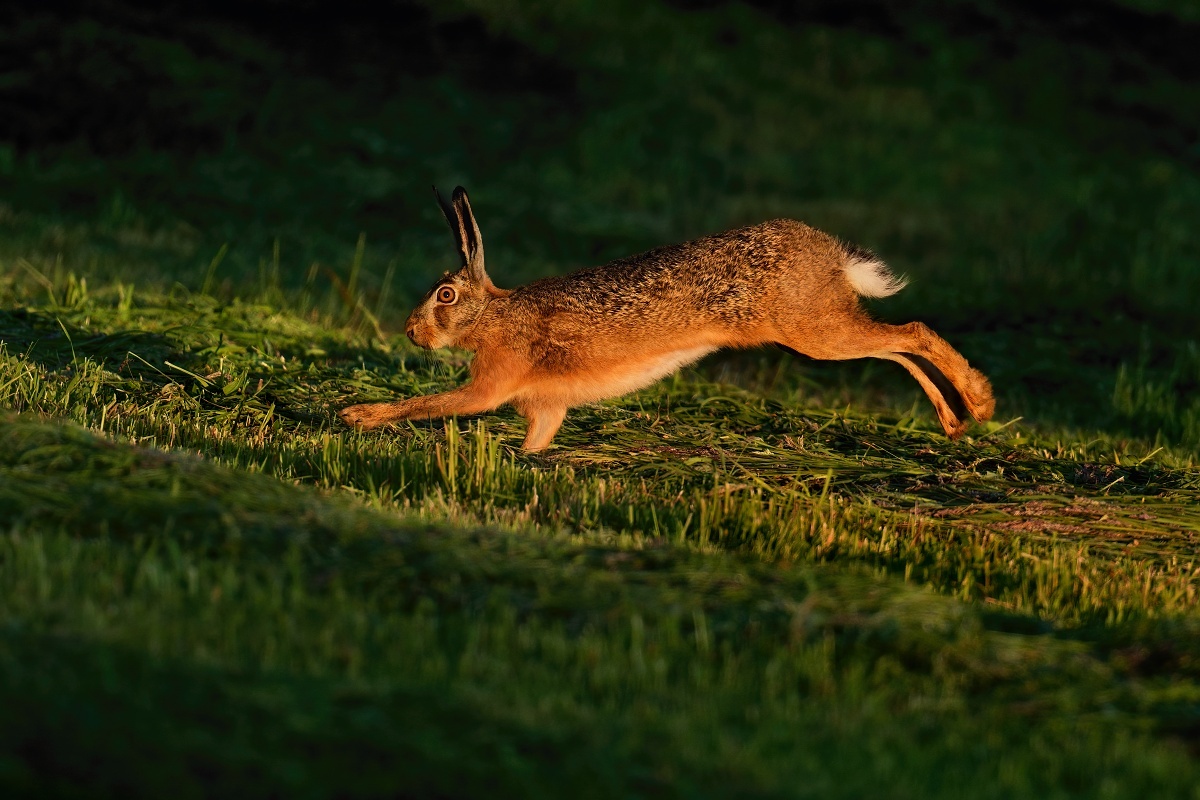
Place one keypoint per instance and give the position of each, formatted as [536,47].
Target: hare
[608,330]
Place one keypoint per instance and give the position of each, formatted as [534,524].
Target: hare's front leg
[545,418]
[474,398]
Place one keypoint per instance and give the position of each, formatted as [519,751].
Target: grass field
[763,577]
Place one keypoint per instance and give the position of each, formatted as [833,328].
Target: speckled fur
[607,330]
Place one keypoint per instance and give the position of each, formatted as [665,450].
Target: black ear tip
[459,193]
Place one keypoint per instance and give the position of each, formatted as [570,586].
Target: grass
[275,621]
[762,577]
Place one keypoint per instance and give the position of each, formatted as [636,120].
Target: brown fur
[605,331]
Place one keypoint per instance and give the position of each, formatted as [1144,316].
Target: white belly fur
[602,384]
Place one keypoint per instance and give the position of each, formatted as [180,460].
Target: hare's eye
[447,295]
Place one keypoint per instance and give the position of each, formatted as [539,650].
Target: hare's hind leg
[923,350]
[955,394]
[955,388]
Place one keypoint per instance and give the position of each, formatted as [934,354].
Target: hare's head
[450,311]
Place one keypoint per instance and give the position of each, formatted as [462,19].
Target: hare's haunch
[608,330]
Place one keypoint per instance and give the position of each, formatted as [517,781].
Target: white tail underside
[872,278]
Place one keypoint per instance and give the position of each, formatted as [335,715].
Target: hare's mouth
[415,337]
[422,338]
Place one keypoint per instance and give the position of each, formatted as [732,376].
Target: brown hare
[608,330]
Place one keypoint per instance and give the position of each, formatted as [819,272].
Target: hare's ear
[466,234]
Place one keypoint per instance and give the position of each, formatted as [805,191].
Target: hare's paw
[980,400]
[364,417]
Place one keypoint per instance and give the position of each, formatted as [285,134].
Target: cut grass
[1062,532]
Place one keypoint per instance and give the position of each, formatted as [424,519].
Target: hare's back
[729,276]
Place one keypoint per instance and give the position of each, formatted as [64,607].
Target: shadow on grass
[55,344]
[109,722]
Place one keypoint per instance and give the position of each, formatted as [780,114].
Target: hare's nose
[409,333]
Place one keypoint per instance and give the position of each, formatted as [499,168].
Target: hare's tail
[869,276]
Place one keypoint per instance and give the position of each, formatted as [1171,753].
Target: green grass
[762,577]
[274,622]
